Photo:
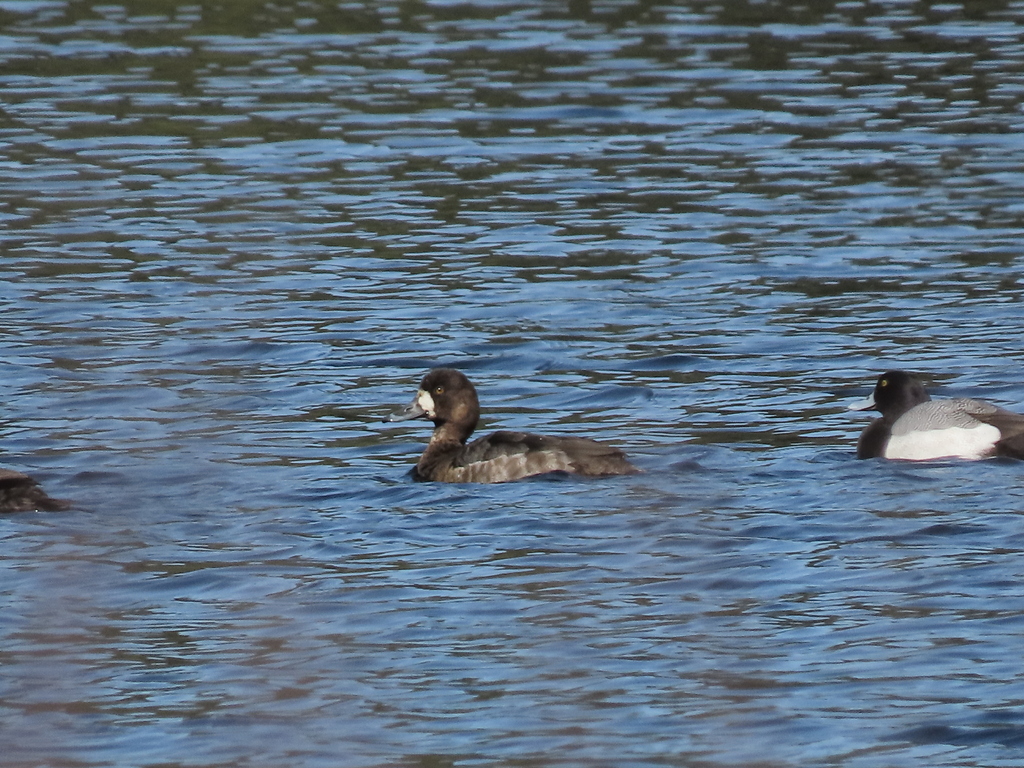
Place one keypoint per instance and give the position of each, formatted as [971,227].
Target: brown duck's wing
[514,455]
[20,493]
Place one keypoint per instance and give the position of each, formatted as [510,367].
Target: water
[234,238]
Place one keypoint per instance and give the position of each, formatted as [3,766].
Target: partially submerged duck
[916,428]
[448,399]
[20,493]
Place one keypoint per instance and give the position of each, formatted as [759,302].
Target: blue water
[235,236]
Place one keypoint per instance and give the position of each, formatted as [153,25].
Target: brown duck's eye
[438,390]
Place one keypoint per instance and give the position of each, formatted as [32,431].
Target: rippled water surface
[235,235]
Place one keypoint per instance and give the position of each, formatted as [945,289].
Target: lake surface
[234,236]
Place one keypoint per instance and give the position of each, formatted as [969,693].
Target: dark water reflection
[235,235]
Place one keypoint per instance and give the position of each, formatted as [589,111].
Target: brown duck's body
[505,456]
[448,399]
[20,493]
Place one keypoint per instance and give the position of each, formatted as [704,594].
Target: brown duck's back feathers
[20,493]
[505,456]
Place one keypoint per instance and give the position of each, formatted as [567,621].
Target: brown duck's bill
[412,411]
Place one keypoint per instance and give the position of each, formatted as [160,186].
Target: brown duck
[448,399]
